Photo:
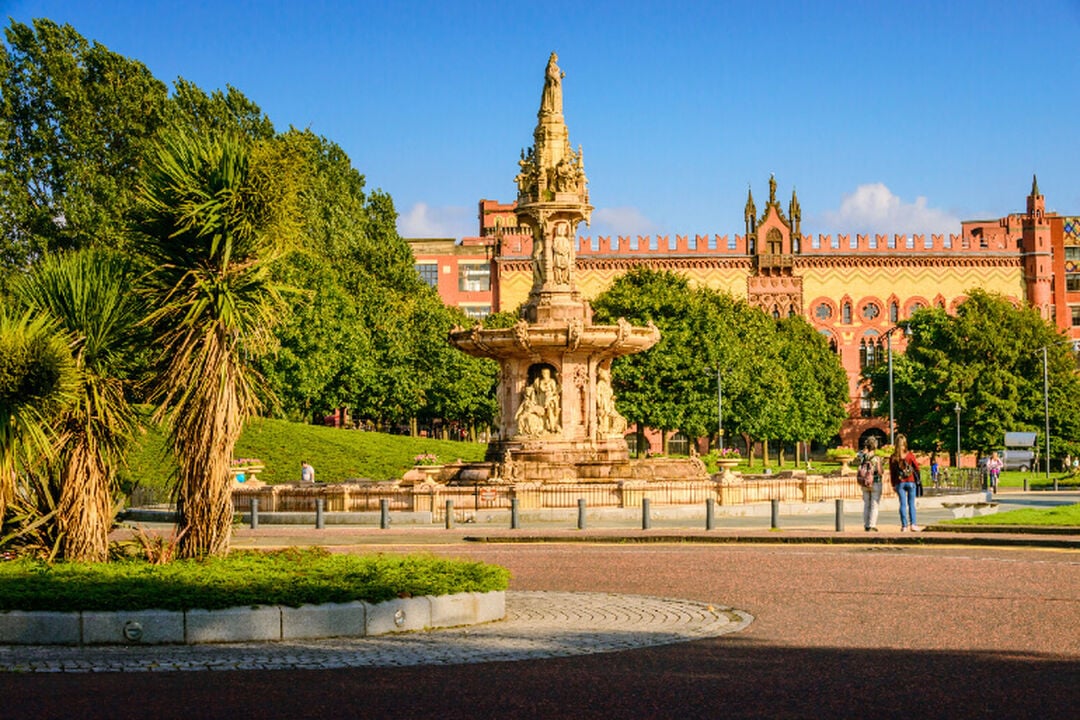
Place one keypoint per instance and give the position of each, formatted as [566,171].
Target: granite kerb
[266,623]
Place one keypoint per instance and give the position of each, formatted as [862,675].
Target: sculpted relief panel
[540,411]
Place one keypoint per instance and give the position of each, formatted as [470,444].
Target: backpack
[865,473]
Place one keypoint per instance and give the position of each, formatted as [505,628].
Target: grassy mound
[288,577]
[337,455]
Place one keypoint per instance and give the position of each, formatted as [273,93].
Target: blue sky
[884,116]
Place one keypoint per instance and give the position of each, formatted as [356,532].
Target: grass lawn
[286,577]
[337,455]
[1064,516]
[1037,480]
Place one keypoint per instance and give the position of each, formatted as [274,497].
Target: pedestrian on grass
[871,495]
[902,471]
[307,473]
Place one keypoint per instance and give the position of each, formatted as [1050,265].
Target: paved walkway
[537,625]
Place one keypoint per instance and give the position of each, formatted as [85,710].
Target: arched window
[870,311]
[632,446]
[846,313]
[678,444]
[894,312]
[824,312]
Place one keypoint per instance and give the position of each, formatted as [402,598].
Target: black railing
[953,481]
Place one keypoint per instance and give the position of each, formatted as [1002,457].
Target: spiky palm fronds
[215,212]
[89,295]
[37,380]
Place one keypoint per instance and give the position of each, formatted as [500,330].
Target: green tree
[215,213]
[987,359]
[75,121]
[89,295]
[38,380]
[818,383]
[656,388]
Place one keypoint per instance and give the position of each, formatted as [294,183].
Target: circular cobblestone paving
[537,625]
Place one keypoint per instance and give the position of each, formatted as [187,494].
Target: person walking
[993,471]
[307,473]
[902,470]
[867,459]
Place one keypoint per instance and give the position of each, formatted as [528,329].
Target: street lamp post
[1046,414]
[957,434]
[719,410]
[888,349]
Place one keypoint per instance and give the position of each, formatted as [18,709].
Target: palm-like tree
[89,295]
[37,380]
[215,212]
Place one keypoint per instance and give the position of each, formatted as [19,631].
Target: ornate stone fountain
[558,421]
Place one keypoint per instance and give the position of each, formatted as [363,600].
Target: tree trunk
[765,452]
[640,432]
[414,430]
[663,442]
[85,510]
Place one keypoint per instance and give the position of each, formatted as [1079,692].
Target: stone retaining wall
[249,624]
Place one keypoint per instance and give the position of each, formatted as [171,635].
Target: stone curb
[802,537]
[249,624]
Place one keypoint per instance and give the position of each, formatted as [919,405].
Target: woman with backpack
[903,470]
[869,477]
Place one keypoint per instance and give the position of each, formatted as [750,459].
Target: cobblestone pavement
[538,625]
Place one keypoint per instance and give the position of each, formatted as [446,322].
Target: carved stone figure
[539,276]
[530,414]
[547,395]
[608,419]
[561,249]
[552,98]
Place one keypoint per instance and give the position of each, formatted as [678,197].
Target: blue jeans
[906,492]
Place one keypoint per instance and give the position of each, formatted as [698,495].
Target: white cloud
[874,209]
[619,221]
[424,221]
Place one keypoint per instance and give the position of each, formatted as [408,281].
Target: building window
[869,352]
[476,312]
[915,307]
[474,277]
[866,404]
[1074,310]
[1072,282]
[429,273]
[846,313]
[894,312]
[870,311]
[678,444]
[632,445]
[823,311]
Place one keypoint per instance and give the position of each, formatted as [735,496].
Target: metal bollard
[514,519]
[775,525]
[839,515]
[581,513]
[254,513]
[449,514]
[384,513]
[320,522]
[646,521]
[710,514]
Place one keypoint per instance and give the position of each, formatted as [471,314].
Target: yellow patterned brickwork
[909,282]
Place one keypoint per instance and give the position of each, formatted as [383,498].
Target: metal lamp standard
[888,348]
[1046,400]
[958,435]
